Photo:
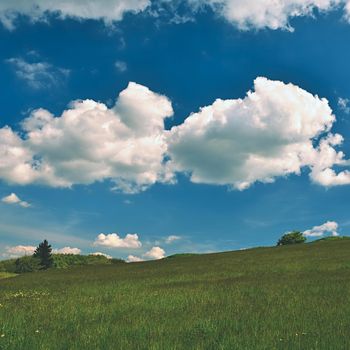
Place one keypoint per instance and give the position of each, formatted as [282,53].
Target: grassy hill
[290,297]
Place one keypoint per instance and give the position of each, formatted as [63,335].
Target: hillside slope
[292,297]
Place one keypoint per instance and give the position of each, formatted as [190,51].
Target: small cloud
[172,238]
[19,250]
[67,250]
[114,241]
[318,231]
[121,66]
[101,254]
[133,258]
[38,75]
[343,104]
[155,253]
[14,199]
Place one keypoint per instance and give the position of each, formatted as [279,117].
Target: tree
[293,237]
[43,252]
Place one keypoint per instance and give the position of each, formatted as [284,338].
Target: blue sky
[235,186]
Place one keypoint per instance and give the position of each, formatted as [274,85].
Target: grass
[6,275]
[291,297]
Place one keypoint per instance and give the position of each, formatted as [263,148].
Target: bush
[293,237]
[27,264]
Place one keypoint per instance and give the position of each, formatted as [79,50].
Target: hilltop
[289,297]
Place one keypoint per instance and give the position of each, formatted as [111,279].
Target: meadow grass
[6,275]
[291,297]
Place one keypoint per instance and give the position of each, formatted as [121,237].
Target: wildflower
[2,335]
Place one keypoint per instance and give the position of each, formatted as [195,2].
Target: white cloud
[155,253]
[328,227]
[276,130]
[114,241]
[38,75]
[272,132]
[121,66]
[39,10]
[90,142]
[102,254]
[272,14]
[172,238]
[67,250]
[14,199]
[245,15]
[19,250]
[133,258]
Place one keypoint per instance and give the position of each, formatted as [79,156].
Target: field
[291,297]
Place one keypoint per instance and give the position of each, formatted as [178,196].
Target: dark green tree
[44,253]
[293,237]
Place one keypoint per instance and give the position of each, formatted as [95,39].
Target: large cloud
[90,142]
[276,130]
[38,10]
[272,132]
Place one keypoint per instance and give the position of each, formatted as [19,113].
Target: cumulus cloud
[278,129]
[156,253]
[273,14]
[19,250]
[272,132]
[318,231]
[133,258]
[38,75]
[39,10]
[90,142]
[101,254]
[172,238]
[67,250]
[14,199]
[114,241]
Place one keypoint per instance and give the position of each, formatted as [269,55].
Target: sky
[140,129]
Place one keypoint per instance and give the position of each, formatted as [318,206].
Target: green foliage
[116,261]
[332,238]
[8,265]
[62,261]
[293,237]
[59,261]
[27,264]
[44,253]
[265,298]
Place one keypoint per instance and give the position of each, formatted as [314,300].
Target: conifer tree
[43,252]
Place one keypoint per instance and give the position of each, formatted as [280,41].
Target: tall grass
[294,297]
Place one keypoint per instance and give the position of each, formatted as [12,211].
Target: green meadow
[289,297]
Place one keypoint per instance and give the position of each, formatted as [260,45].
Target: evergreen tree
[43,252]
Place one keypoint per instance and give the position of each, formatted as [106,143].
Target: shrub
[293,237]
[27,264]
